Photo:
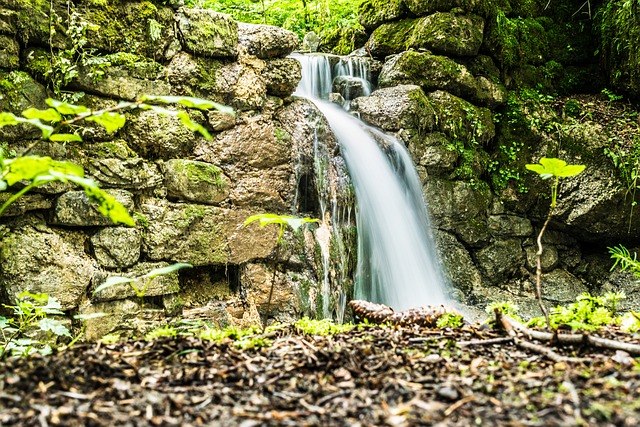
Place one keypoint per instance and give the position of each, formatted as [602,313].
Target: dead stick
[547,352]
[490,341]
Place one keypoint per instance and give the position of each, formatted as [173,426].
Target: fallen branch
[565,339]
[490,341]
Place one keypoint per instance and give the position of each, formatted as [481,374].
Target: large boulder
[449,34]
[372,13]
[395,108]
[200,182]
[266,41]
[208,33]
[129,174]
[9,53]
[282,76]
[74,208]
[461,120]
[391,38]
[44,260]
[116,247]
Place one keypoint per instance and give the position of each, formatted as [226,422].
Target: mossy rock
[200,182]
[391,38]
[208,33]
[342,41]
[19,91]
[372,13]
[461,120]
[449,34]
[139,27]
[9,53]
[517,41]
[28,20]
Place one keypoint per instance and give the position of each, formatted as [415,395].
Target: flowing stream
[397,263]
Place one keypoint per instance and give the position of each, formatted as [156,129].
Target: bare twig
[490,341]
[539,270]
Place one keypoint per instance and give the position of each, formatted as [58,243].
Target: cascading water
[397,263]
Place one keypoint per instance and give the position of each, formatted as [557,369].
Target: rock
[266,41]
[208,33]
[46,260]
[116,247]
[449,34]
[343,41]
[282,76]
[19,91]
[9,53]
[159,136]
[118,315]
[391,38]
[561,287]
[509,225]
[310,42]
[431,72]
[258,279]
[130,174]
[189,180]
[220,121]
[128,82]
[427,7]
[75,209]
[489,94]
[500,260]
[372,13]
[396,108]
[461,271]
[350,87]
[461,120]
[25,203]
[436,159]
[160,285]
[203,235]
[548,260]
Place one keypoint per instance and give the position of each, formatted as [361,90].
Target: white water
[397,264]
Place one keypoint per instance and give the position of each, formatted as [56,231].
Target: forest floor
[369,376]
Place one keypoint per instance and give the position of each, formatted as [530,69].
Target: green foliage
[321,327]
[294,15]
[450,320]
[30,330]
[38,171]
[504,170]
[241,338]
[505,307]
[625,260]
[282,220]
[140,292]
[164,331]
[588,313]
[555,168]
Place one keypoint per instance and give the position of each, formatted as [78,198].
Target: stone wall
[451,87]
[189,196]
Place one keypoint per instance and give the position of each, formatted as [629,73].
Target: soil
[369,376]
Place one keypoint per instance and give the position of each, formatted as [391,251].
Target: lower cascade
[397,262]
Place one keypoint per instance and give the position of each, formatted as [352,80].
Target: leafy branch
[550,168]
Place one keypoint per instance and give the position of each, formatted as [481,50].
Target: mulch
[369,376]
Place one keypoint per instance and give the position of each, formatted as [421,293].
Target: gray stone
[160,285]
[461,271]
[155,135]
[130,174]
[118,316]
[282,76]
[25,203]
[561,287]
[350,87]
[500,260]
[266,41]
[209,33]
[9,53]
[372,13]
[449,34]
[189,180]
[31,94]
[50,261]
[220,121]
[548,260]
[426,7]
[396,108]
[509,225]
[489,94]
[459,119]
[74,208]
[117,247]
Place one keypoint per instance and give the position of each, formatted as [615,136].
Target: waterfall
[397,264]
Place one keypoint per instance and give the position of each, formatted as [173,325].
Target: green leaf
[66,108]
[30,167]
[8,119]
[49,115]
[166,270]
[111,121]
[53,325]
[190,124]
[292,221]
[65,137]
[113,281]
[107,204]
[552,167]
[45,129]
[189,102]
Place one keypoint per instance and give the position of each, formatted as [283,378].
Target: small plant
[164,331]
[625,260]
[22,334]
[283,221]
[588,313]
[556,169]
[450,320]
[505,307]
[147,279]
[612,97]
[321,327]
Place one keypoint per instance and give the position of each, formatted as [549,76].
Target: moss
[39,63]
[391,38]
[342,41]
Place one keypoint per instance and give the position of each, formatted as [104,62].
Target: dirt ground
[369,376]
